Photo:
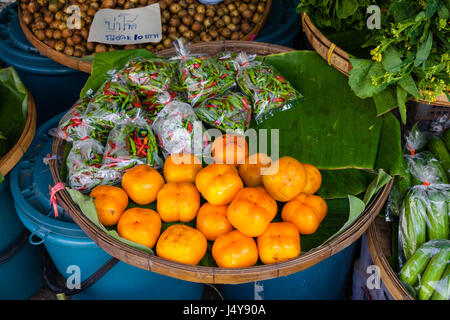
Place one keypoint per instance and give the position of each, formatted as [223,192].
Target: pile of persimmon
[232,202]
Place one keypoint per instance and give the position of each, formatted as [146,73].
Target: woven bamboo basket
[14,155]
[338,58]
[379,241]
[85,66]
[202,274]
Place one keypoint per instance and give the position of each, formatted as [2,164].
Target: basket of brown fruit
[45,24]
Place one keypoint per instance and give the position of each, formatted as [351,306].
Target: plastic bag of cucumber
[421,200]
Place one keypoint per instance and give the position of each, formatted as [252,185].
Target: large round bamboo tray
[85,66]
[338,58]
[14,155]
[202,274]
[378,239]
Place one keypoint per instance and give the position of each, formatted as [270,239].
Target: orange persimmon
[235,250]
[142,184]
[182,167]
[251,211]
[230,148]
[178,201]
[218,183]
[250,170]
[181,243]
[288,181]
[110,203]
[212,221]
[306,212]
[314,179]
[280,242]
[140,225]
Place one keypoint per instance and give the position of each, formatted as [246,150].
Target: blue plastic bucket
[71,250]
[327,280]
[282,25]
[20,275]
[54,87]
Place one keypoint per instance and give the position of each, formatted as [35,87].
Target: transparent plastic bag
[426,169]
[73,125]
[178,129]
[427,271]
[416,140]
[83,164]
[229,112]
[149,75]
[439,125]
[113,102]
[131,142]
[269,90]
[202,77]
[152,105]
[424,216]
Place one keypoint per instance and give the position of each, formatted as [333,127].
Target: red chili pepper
[107,87]
[278,100]
[196,65]
[223,76]
[189,127]
[245,104]
[212,84]
[135,104]
[278,77]
[216,122]
[211,106]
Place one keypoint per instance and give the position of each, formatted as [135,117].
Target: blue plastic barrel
[282,25]
[54,87]
[69,247]
[20,274]
[327,280]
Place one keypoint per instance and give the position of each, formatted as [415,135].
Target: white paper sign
[130,26]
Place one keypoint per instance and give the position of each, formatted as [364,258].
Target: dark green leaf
[402,96]
[424,50]
[385,100]
[361,75]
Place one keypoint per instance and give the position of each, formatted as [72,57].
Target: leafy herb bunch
[411,57]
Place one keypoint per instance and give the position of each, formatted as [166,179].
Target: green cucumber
[412,222]
[437,215]
[442,292]
[415,265]
[433,273]
[438,148]
[446,138]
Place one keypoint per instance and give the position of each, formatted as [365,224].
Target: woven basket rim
[388,275]
[339,59]
[204,274]
[86,66]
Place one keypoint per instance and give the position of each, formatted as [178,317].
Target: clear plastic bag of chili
[230,112]
[201,76]
[113,102]
[83,164]
[73,125]
[151,104]
[147,75]
[178,130]
[131,142]
[269,90]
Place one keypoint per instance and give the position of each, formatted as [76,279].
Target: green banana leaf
[13,109]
